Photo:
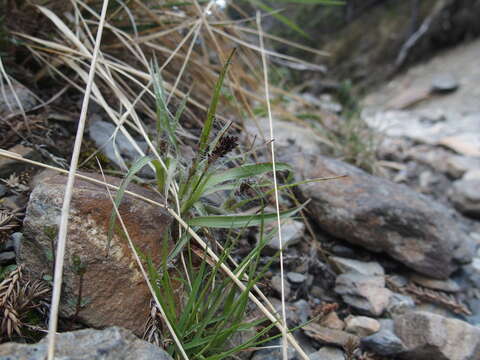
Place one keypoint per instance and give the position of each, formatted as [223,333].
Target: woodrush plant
[211,308]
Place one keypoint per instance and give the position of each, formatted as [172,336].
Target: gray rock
[302,311]
[8,102]
[465,196]
[119,151]
[16,238]
[273,352]
[400,303]
[448,285]
[444,83]
[384,342]
[292,233]
[113,343]
[296,278]
[458,132]
[458,165]
[108,282]
[361,325]
[430,336]
[288,134]
[365,293]
[328,353]
[371,268]
[276,283]
[382,216]
[7,257]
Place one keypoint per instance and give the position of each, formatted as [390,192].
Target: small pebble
[296,278]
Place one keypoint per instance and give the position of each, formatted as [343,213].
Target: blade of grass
[235,221]
[212,109]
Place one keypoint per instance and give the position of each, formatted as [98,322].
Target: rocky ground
[387,266]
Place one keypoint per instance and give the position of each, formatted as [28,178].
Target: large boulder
[382,216]
[429,336]
[113,343]
[114,292]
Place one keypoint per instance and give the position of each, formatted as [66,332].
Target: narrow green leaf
[212,109]
[160,175]
[136,167]
[237,221]
[242,172]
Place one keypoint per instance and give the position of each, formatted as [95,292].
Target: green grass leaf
[212,109]
[238,221]
[242,172]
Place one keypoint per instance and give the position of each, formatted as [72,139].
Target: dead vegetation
[24,305]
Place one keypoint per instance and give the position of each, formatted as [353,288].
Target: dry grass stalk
[62,234]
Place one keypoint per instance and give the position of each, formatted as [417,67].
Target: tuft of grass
[210,308]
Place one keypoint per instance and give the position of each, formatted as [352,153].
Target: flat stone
[367,294]
[328,353]
[332,321]
[463,143]
[296,278]
[108,282]
[465,196]
[382,216]
[384,342]
[448,285]
[371,268]
[325,335]
[444,83]
[429,336]
[361,325]
[113,343]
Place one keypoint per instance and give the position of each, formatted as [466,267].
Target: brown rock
[332,321]
[362,325]
[429,336]
[114,291]
[325,335]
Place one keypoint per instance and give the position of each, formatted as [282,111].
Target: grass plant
[211,309]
